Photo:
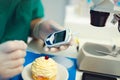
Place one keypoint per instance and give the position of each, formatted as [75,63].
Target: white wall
[55,10]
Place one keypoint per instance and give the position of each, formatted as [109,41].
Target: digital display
[59,37]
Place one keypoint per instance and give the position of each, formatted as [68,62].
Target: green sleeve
[38,10]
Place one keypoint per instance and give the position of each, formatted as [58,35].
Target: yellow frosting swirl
[44,67]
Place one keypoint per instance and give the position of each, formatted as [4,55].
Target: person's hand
[61,48]
[12,55]
[43,29]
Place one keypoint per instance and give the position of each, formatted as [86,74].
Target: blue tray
[31,56]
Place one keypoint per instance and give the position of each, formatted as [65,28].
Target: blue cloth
[31,56]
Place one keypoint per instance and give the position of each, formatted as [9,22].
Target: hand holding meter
[58,38]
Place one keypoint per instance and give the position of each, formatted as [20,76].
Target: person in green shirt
[20,19]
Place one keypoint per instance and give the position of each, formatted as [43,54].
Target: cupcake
[44,68]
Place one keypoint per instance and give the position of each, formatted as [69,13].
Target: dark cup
[119,25]
[98,18]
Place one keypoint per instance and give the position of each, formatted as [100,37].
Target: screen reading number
[59,37]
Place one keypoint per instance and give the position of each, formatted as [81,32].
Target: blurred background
[75,14]
[56,9]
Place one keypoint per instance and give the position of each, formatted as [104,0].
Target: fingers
[11,72]
[14,63]
[53,49]
[56,49]
[12,58]
[46,49]
[12,46]
[64,47]
[11,68]
[16,54]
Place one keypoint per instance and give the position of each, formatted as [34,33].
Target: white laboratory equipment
[100,11]
[99,61]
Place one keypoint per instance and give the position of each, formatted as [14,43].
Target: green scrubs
[16,16]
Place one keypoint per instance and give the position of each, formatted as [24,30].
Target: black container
[90,76]
[98,18]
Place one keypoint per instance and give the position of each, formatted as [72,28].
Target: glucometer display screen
[59,37]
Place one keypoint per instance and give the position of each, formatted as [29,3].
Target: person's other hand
[47,27]
[12,55]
